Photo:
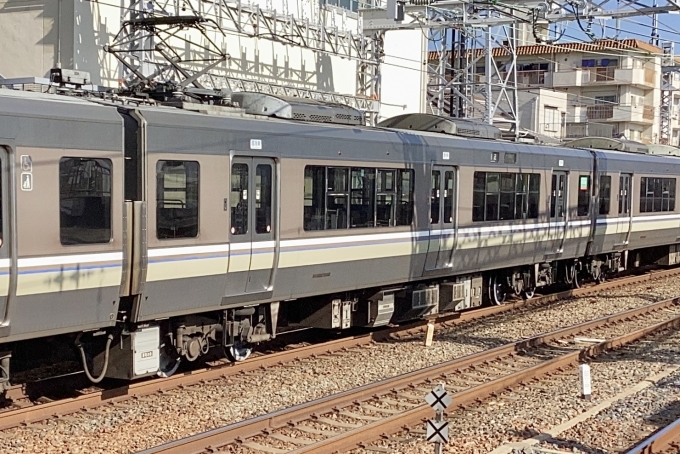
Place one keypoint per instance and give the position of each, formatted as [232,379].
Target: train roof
[210,122]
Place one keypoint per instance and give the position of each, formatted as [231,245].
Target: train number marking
[445,155]
[255,144]
[26,182]
[147,354]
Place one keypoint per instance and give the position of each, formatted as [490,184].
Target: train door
[625,217]
[252,235]
[442,216]
[5,230]
[558,210]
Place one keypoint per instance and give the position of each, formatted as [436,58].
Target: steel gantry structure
[487,31]
[175,40]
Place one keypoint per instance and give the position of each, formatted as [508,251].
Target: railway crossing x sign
[438,398]
[437,431]
[438,428]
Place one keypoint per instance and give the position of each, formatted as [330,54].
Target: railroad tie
[258,447]
[396,403]
[358,416]
[378,449]
[381,410]
[292,440]
[313,431]
[336,423]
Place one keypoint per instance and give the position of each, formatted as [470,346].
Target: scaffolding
[486,32]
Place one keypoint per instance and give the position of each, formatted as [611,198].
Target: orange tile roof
[597,46]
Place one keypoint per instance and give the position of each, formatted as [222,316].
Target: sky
[634,27]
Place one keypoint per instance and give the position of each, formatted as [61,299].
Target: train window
[434,196]
[505,196]
[624,193]
[176,199]
[448,197]
[386,194]
[362,203]
[239,199]
[315,197]
[405,197]
[84,200]
[657,194]
[337,198]
[605,193]
[583,208]
[357,197]
[263,198]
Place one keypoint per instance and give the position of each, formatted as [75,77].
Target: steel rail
[661,441]
[358,437]
[42,411]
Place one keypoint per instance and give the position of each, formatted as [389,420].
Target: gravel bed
[526,412]
[156,419]
[626,422]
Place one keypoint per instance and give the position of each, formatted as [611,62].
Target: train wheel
[529,293]
[238,352]
[168,362]
[497,291]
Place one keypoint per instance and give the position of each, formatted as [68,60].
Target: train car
[145,235]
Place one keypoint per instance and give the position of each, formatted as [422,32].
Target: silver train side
[141,301]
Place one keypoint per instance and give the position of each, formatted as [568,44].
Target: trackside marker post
[438,428]
[429,334]
[584,376]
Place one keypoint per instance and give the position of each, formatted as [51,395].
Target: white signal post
[438,428]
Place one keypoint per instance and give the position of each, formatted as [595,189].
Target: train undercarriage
[132,351]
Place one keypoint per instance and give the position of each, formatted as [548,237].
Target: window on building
[551,118]
[176,199]
[606,100]
[657,194]
[583,208]
[605,193]
[340,197]
[505,196]
[84,200]
[350,5]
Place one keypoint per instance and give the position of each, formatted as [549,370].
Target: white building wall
[33,31]
[403,75]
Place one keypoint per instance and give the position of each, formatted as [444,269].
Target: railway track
[41,409]
[356,417]
[665,441]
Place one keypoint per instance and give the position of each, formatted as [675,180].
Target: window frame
[373,174]
[109,161]
[508,194]
[186,191]
[650,191]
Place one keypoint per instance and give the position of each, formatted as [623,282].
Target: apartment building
[611,87]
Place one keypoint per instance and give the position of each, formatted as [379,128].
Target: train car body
[163,232]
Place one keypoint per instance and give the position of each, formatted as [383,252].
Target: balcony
[531,78]
[621,113]
[608,75]
[638,77]
[574,78]
[578,130]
